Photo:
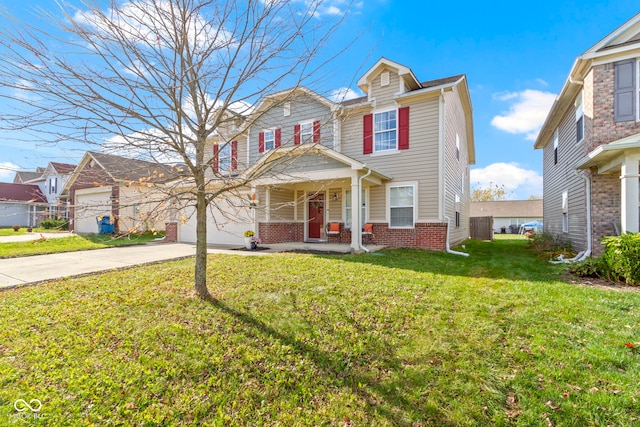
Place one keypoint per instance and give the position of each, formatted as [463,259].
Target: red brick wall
[432,236]
[171,232]
[281,232]
[604,129]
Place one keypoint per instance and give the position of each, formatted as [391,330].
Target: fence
[482,227]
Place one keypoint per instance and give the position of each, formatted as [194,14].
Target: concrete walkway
[39,268]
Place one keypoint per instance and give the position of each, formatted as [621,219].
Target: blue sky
[516,56]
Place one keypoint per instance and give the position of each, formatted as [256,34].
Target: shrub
[16,228]
[590,267]
[549,246]
[622,257]
[49,223]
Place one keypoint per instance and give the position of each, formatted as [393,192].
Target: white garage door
[226,223]
[89,205]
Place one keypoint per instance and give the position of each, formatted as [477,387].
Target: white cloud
[343,94]
[542,82]
[518,182]
[7,171]
[526,114]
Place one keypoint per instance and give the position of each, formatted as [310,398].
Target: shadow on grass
[384,398]
[509,259]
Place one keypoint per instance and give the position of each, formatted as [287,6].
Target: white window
[348,210]
[53,183]
[555,147]
[224,158]
[306,132]
[457,146]
[565,211]
[402,206]
[579,118]
[385,128]
[269,140]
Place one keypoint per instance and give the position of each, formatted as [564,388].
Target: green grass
[72,243]
[22,230]
[401,338]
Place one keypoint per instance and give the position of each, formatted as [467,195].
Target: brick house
[391,166]
[591,144]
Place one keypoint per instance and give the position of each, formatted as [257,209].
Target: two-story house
[51,180]
[393,165]
[591,144]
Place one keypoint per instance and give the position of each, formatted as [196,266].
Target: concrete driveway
[33,269]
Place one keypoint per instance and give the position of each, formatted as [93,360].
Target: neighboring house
[20,204]
[591,144]
[51,180]
[396,159]
[508,215]
[120,188]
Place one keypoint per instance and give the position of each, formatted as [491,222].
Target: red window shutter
[277,144]
[368,134]
[316,131]
[216,162]
[261,142]
[296,134]
[234,155]
[403,128]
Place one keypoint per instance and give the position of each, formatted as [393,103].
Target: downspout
[448,248]
[359,212]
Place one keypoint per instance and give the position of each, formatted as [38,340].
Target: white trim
[388,188]
[382,111]
[264,132]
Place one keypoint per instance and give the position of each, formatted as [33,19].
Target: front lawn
[73,243]
[398,338]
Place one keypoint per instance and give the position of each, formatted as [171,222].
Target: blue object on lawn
[105,226]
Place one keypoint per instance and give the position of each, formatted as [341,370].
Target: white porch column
[629,189]
[356,227]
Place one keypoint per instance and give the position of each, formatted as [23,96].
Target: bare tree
[158,78]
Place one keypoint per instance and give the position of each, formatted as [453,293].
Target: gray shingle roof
[508,209]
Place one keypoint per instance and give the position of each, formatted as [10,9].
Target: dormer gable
[382,73]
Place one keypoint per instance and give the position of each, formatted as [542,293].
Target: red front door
[316,216]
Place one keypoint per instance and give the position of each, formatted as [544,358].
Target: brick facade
[171,232]
[431,236]
[281,232]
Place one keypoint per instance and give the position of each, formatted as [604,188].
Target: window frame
[414,205]
[224,159]
[556,140]
[565,211]
[376,132]
[272,131]
[306,136]
[579,103]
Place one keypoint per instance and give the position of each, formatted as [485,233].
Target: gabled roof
[24,176]
[62,168]
[507,209]
[291,94]
[11,192]
[383,63]
[622,43]
[311,147]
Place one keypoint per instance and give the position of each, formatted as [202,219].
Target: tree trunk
[201,245]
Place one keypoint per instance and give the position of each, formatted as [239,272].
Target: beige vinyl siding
[282,204]
[456,168]
[562,177]
[334,207]
[419,163]
[300,201]
[306,162]
[303,108]
[261,193]
[384,94]
[377,204]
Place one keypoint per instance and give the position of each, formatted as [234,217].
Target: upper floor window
[385,131]
[224,158]
[579,118]
[555,147]
[306,131]
[457,146]
[53,184]
[269,140]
